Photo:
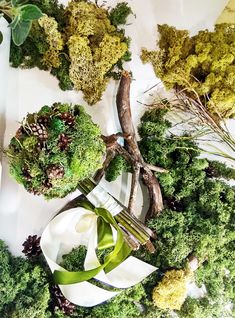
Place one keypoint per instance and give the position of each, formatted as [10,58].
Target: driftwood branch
[148,177]
[131,153]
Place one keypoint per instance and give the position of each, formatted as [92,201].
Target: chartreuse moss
[204,63]
[79,44]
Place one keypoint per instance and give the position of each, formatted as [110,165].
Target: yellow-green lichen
[204,63]
[171,292]
[86,19]
[88,69]
[54,40]
[80,44]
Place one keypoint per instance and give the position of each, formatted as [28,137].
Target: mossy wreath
[54,149]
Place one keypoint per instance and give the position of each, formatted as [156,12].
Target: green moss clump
[23,287]
[198,218]
[119,14]
[204,308]
[116,166]
[219,170]
[74,261]
[204,63]
[54,149]
[77,44]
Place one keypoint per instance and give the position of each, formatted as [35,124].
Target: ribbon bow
[100,220]
[94,228]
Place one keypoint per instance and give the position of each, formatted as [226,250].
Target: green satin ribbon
[105,239]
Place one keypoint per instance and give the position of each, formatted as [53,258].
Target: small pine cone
[26,174]
[210,172]
[63,141]
[43,120]
[32,246]
[34,191]
[19,132]
[174,205]
[40,131]
[68,118]
[55,172]
[59,301]
[47,184]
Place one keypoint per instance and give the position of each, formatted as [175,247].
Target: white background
[23,91]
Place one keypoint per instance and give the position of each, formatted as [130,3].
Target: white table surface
[23,91]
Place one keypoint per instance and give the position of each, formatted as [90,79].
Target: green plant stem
[127,220]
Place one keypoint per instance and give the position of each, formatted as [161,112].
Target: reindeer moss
[171,292]
[204,63]
[54,40]
[78,44]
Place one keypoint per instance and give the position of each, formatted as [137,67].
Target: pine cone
[40,131]
[26,174]
[63,141]
[55,172]
[68,118]
[210,172]
[173,204]
[47,184]
[19,132]
[59,301]
[43,120]
[32,246]
[34,191]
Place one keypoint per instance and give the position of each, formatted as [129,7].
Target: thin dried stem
[134,187]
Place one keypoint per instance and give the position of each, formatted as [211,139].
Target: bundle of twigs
[216,125]
[199,119]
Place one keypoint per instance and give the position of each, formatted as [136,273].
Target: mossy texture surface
[197,220]
[54,149]
[204,63]
[79,44]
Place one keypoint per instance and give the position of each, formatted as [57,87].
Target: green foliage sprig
[21,17]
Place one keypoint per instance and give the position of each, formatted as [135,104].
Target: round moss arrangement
[54,149]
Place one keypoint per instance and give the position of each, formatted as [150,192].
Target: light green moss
[204,63]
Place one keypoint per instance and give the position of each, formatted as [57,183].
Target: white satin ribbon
[76,227]
[101,199]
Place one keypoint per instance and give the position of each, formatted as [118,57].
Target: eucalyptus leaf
[14,22]
[21,31]
[30,12]
[1,37]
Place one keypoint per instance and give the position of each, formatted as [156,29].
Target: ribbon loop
[96,228]
[105,238]
[105,234]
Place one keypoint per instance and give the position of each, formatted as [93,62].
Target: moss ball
[54,149]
